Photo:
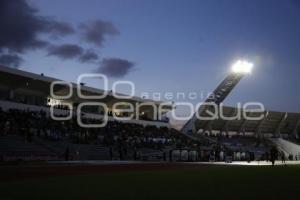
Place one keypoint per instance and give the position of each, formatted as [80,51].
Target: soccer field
[180,182]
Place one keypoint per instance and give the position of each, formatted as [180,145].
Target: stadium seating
[13,147]
[117,140]
[289,148]
[32,135]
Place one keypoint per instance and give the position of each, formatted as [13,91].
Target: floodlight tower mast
[239,70]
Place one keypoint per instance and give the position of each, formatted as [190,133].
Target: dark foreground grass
[212,182]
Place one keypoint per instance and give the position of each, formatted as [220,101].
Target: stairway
[286,146]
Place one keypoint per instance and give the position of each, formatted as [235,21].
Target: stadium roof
[272,123]
[16,79]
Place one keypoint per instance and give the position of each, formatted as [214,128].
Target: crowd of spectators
[115,134]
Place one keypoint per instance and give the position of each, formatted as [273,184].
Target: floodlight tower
[238,70]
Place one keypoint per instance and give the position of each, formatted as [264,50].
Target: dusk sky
[161,45]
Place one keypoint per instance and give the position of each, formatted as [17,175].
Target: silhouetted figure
[267,156]
[135,156]
[111,153]
[121,153]
[170,155]
[274,155]
[67,152]
[282,157]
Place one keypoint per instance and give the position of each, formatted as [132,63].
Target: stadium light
[242,67]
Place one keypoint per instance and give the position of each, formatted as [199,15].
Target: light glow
[242,66]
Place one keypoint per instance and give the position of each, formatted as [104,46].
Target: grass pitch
[206,182]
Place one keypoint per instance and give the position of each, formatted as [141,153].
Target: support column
[242,127]
[208,127]
[277,130]
[295,130]
[258,128]
[225,127]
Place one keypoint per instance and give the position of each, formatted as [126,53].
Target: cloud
[95,32]
[66,51]
[21,27]
[57,28]
[115,67]
[11,60]
[88,56]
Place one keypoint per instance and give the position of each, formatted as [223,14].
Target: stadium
[37,134]
[26,98]
[78,139]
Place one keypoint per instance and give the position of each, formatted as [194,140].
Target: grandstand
[273,123]
[13,147]
[25,103]
[245,124]
[236,133]
[25,90]
[30,133]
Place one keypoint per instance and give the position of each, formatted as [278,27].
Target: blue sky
[188,46]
